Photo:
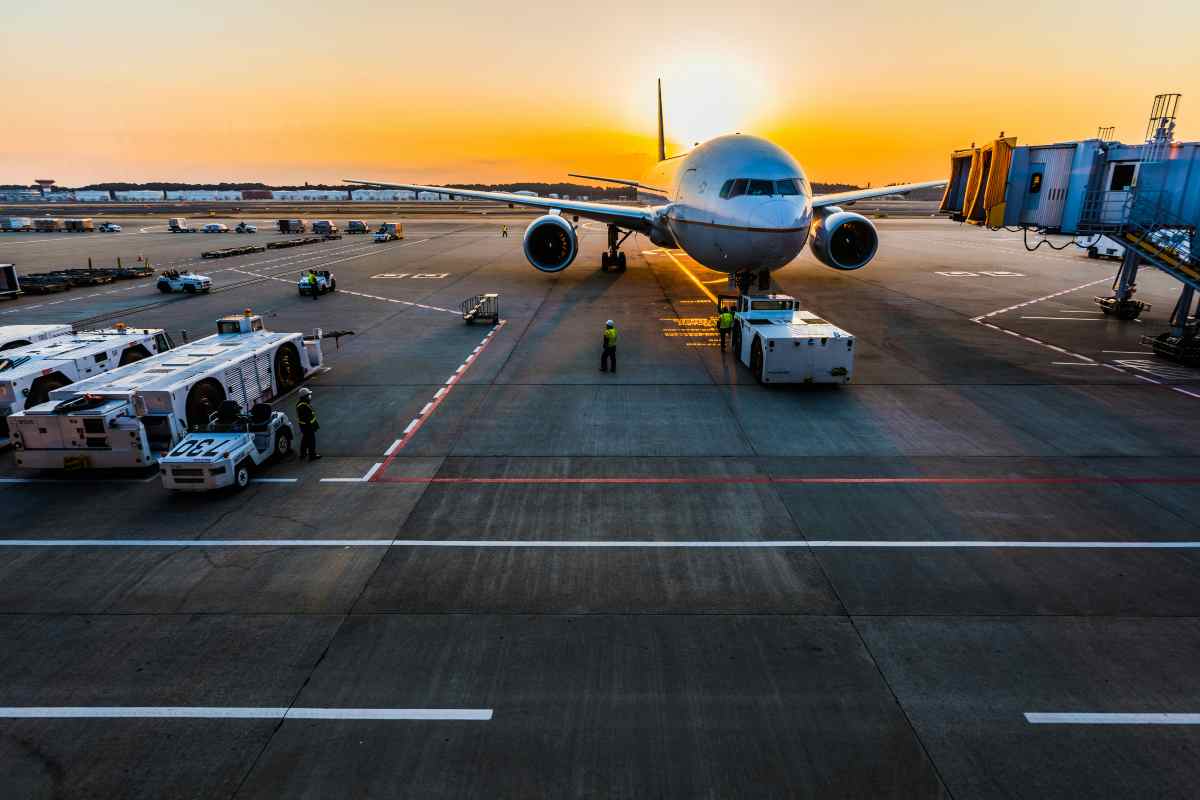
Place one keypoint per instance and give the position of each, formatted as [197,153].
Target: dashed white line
[1087,718]
[242,712]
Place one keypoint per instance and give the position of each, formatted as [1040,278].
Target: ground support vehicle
[133,415]
[30,373]
[12,336]
[109,227]
[357,226]
[389,232]
[325,283]
[48,225]
[243,227]
[226,252]
[782,344]
[228,449]
[78,225]
[80,276]
[294,242]
[292,225]
[175,281]
[324,227]
[216,227]
[10,282]
[44,284]
[180,225]
[16,224]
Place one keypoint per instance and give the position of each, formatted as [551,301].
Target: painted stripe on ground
[241,712]
[1077,718]
[716,544]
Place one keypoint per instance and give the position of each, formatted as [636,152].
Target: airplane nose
[774,214]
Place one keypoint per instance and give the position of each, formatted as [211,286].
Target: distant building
[195,195]
[310,194]
[92,196]
[138,196]
[381,195]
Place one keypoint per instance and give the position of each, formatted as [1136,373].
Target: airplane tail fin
[662,142]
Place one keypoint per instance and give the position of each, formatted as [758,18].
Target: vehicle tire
[621,261]
[165,288]
[604,261]
[40,389]
[132,354]
[202,400]
[756,359]
[189,288]
[283,444]
[241,475]
[1093,252]
[735,340]
[288,372]
[15,344]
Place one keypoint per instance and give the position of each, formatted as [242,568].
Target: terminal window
[1122,177]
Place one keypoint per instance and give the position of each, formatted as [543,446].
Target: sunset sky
[287,92]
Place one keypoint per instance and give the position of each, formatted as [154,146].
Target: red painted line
[739,480]
[429,410]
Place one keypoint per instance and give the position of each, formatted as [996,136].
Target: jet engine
[550,243]
[843,239]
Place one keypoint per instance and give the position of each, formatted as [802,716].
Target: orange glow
[873,91]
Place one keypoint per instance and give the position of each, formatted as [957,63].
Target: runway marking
[1071,319]
[364,479]
[1073,364]
[811,481]
[242,712]
[1039,299]
[393,447]
[439,397]
[274,480]
[1081,718]
[690,275]
[610,544]
[1185,391]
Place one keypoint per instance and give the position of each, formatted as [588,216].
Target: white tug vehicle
[133,415]
[228,449]
[782,344]
[316,282]
[173,280]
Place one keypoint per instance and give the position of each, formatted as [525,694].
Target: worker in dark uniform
[608,356]
[308,425]
[725,325]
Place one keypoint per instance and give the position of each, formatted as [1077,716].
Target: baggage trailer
[131,416]
[782,344]
[14,224]
[29,374]
[12,336]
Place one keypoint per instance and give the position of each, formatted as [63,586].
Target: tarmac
[512,575]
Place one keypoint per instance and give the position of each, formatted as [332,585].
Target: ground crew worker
[503,231]
[725,324]
[308,425]
[609,354]
[312,282]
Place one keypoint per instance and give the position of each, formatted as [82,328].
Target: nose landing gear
[613,257]
[746,279]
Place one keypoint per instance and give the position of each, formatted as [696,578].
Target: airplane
[736,204]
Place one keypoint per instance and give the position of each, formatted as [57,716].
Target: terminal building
[1138,202]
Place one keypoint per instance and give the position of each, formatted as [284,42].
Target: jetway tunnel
[1137,202]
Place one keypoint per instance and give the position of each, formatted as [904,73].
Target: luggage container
[130,416]
[47,225]
[15,224]
[84,225]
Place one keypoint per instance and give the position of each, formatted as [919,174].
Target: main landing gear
[746,279]
[613,257]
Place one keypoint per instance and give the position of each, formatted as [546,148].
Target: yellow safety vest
[726,321]
[610,337]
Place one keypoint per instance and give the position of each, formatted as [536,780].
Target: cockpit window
[736,187]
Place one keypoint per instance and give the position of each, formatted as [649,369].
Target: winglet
[662,142]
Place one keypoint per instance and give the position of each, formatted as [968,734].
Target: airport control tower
[45,184]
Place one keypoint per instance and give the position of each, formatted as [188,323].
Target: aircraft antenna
[662,142]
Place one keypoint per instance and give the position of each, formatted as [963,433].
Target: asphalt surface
[667,582]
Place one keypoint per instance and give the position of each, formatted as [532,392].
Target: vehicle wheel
[202,401]
[756,359]
[40,389]
[604,261]
[283,444]
[735,339]
[1093,252]
[241,475]
[132,354]
[190,288]
[288,372]
[165,288]
[621,261]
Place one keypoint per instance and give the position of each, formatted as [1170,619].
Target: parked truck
[180,225]
[132,415]
[292,225]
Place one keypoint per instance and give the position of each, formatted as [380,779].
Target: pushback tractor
[29,374]
[131,416]
[782,344]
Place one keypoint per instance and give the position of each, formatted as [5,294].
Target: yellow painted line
[688,272]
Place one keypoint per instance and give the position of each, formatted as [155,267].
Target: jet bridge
[1144,197]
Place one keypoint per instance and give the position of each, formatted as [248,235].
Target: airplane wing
[621,181]
[628,217]
[821,200]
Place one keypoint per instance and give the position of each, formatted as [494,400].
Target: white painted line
[438,394]
[1130,352]
[371,472]
[341,480]
[1074,364]
[1185,391]
[1076,718]
[408,428]
[716,544]
[274,480]
[244,712]
[1069,319]
[1144,378]
[392,448]
[461,367]
[425,410]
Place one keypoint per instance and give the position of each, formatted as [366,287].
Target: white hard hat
[305,393]
[609,323]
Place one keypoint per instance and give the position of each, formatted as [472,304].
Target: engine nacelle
[551,243]
[843,239]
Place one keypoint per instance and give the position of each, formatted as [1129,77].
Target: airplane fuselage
[735,203]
